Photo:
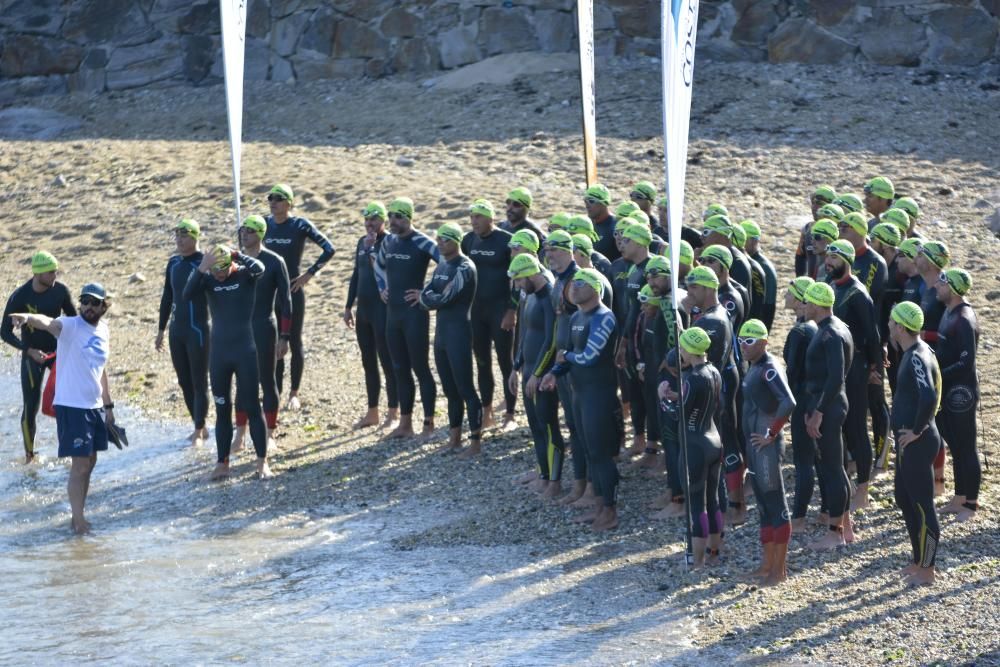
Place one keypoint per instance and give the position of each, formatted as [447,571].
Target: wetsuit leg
[182,368]
[879,411]
[915,489]
[265,338]
[651,402]
[482,348]
[459,347]
[733,465]
[804,457]
[248,384]
[32,374]
[599,433]
[382,346]
[221,377]
[672,455]
[637,405]
[539,435]
[547,409]
[503,341]
[957,424]
[400,354]
[714,501]
[831,461]
[198,347]
[565,393]
[364,330]
[416,333]
[769,489]
[856,436]
[697,491]
[446,373]
[294,344]
[893,370]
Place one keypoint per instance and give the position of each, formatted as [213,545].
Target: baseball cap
[97,291]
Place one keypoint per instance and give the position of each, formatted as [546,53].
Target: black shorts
[81,432]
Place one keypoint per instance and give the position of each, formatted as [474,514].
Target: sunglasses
[592,200]
[276,198]
[397,216]
[943,279]
[90,301]
[581,283]
[747,341]
[657,272]
[867,189]
[638,195]
[819,237]
[514,203]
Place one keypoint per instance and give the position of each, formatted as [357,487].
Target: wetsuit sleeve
[254,266]
[793,354]
[427,245]
[379,266]
[927,399]
[319,239]
[602,331]
[283,285]
[782,394]
[873,342]
[352,287]
[964,343]
[833,352]
[195,283]
[166,298]
[14,305]
[547,350]
[67,305]
[461,283]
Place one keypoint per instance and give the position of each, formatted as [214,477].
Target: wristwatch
[109,406]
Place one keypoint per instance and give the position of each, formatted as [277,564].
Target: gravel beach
[103,198]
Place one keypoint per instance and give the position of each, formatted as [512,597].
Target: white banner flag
[588,92]
[680,28]
[234,26]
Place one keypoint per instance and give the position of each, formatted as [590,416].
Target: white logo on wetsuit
[484,253]
[226,288]
[918,371]
[220,400]
[770,374]
[281,241]
[730,305]
[396,255]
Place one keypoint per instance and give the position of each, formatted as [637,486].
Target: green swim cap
[888,234]
[909,205]
[662,202]
[622,223]
[223,257]
[638,233]
[753,329]
[403,206]
[560,239]
[798,287]
[857,222]
[598,192]
[720,224]
[704,276]
[720,254]
[581,224]
[482,207]
[592,277]
[739,236]
[640,217]
[937,252]
[645,189]
[880,186]
[189,227]
[647,297]
[959,280]
[375,209]
[695,340]
[851,203]
[898,218]
[559,220]
[583,244]
[450,231]
[520,195]
[713,210]
[751,228]
[524,238]
[842,248]
[908,315]
[626,209]
[831,211]
[283,191]
[686,253]
[43,262]
[910,248]
[257,224]
[826,228]
[523,266]
[825,193]
[657,264]
[820,294]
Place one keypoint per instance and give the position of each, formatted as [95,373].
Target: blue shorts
[81,432]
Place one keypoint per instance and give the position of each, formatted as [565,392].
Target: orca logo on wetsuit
[281,241]
[484,253]
[396,255]
[226,288]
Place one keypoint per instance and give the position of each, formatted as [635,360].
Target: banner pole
[588,91]
[232,15]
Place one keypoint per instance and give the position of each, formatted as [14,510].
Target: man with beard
[597,199]
[519,201]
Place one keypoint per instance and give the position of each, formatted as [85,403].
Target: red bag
[49,393]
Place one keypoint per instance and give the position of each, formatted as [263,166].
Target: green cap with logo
[638,233]
[937,252]
[842,248]
[897,217]
[657,264]
[719,253]
[753,329]
[450,231]
[695,341]
[888,234]
[686,254]
[583,244]
[824,193]
[751,228]
[645,189]
[959,280]
[283,191]
[704,276]
[43,262]
[402,206]
[560,239]
[908,204]
[626,209]
[592,278]
[257,224]
[524,238]
[599,192]
[640,216]
[189,227]
[375,209]
[223,257]
[483,207]
[559,220]
[820,294]
[721,224]
[523,266]
[798,287]
[647,297]
[856,222]
[850,202]
[739,236]
[520,195]
[713,210]
[831,211]
[581,224]
[910,248]
[908,315]
[826,228]
[880,186]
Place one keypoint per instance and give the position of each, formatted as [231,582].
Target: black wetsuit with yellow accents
[872,272]
[917,397]
[53,302]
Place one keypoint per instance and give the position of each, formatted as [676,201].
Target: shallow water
[169,579]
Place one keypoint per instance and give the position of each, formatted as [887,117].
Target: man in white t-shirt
[84,410]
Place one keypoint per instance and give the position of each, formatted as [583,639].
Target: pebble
[59,181]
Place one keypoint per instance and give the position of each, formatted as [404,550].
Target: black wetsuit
[958,343]
[917,397]
[854,307]
[734,298]
[828,359]
[534,358]
[369,323]
[891,295]
[288,240]
[933,312]
[872,271]
[401,265]
[803,447]
[767,405]
[651,350]
[53,302]
[702,390]
[233,352]
[770,289]
[590,364]
[620,269]
[272,296]
[602,264]
[645,417]
[491,256]
[529,224]
[715,321]
[664,337]
[756,289]
[564,311]
[605,243]
[451,291]
[742,272]
[188,335]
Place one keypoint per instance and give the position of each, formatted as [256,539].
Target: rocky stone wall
[56,46]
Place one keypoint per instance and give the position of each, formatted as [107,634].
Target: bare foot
[849,533]
[606,521]
[774,579]
[859,502]
[584,501]
[538,486]
[586,517]
[760,573]
[965,514]
[29,457]
[369,419]
[527,477]
[199,438]
[736,516]
[449,448]
[674,510]
[400,432]
[239,440]
[79,526]
[661,501]
[832,540]
[488,420]
[924,576]
[798,526]
[472,451]
[263,469]
[646,461]
[428,430]
[938,488]
[908,570]
[391,418]
[570,498]
[220,472]
[509,423]
[638,446]
[552,490]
